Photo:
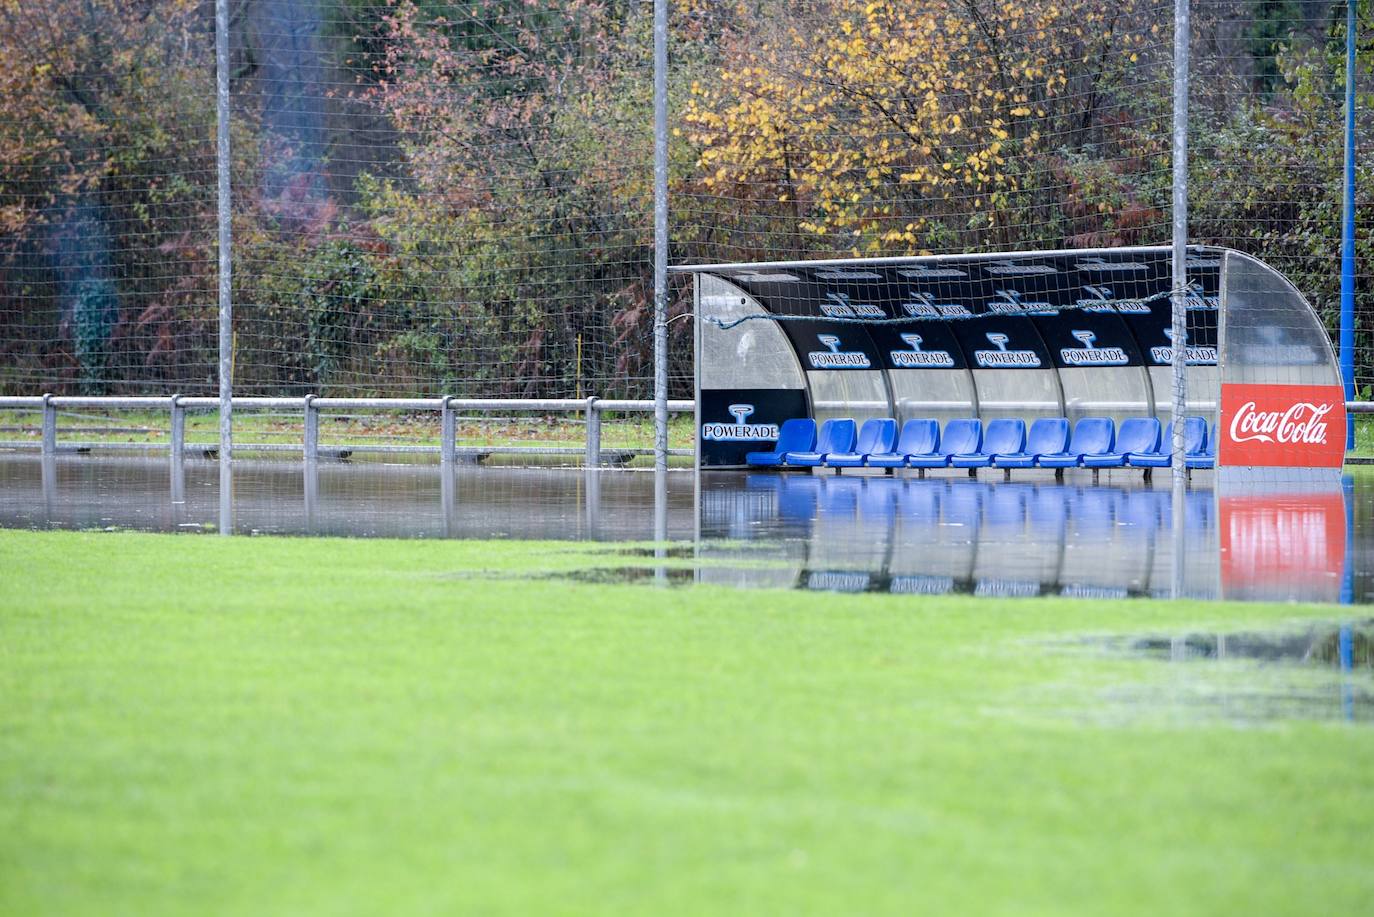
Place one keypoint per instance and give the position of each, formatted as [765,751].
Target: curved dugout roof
[1022,334]
[1051,309]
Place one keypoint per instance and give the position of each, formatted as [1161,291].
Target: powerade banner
[918,345]
[1153,330]
[1081,339]
[1281,426]
[1100,309]
[1003,342]
[832,345]
[735,422]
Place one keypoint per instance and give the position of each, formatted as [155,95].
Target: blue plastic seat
[876,435]
[837,435]
[1137,434]
[919,437]
[1194,443]
[1207,458]
[796,435]
[1091,436]
[1004,436]
[962,437]
[1048,434]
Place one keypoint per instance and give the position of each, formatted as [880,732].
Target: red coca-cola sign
[1283,426]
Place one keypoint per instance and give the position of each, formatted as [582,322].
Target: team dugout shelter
[1071,333]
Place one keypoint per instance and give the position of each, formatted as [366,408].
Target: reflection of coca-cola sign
[1289,426]
[1283,545]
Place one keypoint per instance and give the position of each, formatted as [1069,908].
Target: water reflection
[852,533]
[909,535]
[331,498]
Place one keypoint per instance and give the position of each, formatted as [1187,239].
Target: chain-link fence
[456,198]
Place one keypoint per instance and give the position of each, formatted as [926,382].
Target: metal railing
[311,406]
[591,409]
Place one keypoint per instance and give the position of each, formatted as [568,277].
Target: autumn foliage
[455,196]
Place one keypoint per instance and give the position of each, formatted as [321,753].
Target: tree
[885,127]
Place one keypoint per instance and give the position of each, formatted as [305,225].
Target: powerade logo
[838,305]
[847,275]
[1103,299]
[1011,268]
[1014,302]
[916,358]
[1088,355]
[922,272]
[1002,358]
[740,431]
[1102,266]
[835,358]
[1196,298]
[1193,356]
[923,305]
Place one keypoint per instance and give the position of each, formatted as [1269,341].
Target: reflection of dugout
[1040,334]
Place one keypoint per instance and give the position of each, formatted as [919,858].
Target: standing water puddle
[900,535]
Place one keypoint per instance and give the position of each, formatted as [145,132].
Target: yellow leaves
[900,103]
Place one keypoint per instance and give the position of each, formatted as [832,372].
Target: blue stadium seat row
[1093,442]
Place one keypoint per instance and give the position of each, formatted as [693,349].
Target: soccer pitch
[257,725]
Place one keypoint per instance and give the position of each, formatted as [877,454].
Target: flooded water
[1030,536]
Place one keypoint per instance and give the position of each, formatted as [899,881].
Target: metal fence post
[49,426]
[593,456]
[447,433]
[223,219]
[660,235]
[178,444]
[312,430]
[1182,37]
[1347,327]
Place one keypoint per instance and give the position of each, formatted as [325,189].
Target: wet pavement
[855,533]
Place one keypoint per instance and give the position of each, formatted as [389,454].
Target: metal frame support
[178,434]
[661,235]
[223,216]
[1179,299]
[312,430]
[593,455]
[1347,349]
[448,433]
[49,426]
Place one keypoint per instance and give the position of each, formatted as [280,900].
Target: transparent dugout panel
[1024,393]
[753,354]
[1204,391]
[942,394]
[856,393]
[1270,334]
[1115,392]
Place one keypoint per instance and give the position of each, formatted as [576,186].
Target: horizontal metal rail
[521,405]
[592,411]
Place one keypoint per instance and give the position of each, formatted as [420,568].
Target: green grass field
[192,724]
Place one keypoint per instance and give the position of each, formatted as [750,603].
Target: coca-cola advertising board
[1282,426]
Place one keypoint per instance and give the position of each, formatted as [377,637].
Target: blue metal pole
[1348,228]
